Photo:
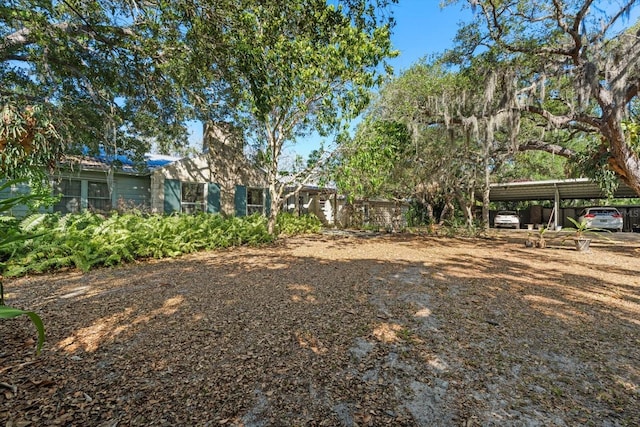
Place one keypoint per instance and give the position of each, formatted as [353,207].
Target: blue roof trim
[152,161]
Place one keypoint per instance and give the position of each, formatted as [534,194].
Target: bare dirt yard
[335,330]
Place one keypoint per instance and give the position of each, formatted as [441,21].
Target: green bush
[289,224]
[13,235]
[88,240]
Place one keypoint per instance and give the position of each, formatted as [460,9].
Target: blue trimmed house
[220,180]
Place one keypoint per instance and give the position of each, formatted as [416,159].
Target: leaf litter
[334,330]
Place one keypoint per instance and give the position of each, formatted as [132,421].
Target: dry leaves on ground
[400,330]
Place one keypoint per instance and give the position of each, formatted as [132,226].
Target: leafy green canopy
[572,70]
[84,74]
[289,68]
[415,140]
[370,165]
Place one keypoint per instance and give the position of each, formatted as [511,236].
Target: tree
[79,75]
[457,131]
[372,164]
[571,68]
[296,67]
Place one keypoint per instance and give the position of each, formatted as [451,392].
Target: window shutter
[241,200]
[213,198]
[267,202]
[172,197]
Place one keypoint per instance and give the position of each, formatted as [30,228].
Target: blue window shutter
[213,198]
[267,202]
[172,190]
[241,200]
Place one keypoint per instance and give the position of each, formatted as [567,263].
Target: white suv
[607,218]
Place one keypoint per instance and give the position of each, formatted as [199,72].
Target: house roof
[102,162]
[579,188]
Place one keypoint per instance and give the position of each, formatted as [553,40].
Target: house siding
[126,191]
[373,213]
[14,191]
[223,164]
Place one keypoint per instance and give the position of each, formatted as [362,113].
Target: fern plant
[9,236]
[290,224]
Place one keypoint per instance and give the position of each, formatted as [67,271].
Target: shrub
[88,240]
[289,224]
[12,235]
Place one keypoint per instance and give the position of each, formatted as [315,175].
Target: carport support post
[556,210]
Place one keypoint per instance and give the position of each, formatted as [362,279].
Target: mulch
[336,330]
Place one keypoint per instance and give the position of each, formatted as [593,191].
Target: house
[219,180]
[336,210]
[104,183]
[385,214]
[312,199]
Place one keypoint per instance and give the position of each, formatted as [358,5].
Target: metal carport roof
[579,188]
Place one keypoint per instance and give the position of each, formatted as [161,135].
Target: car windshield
[507,213]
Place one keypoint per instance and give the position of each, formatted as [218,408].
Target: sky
[422,28]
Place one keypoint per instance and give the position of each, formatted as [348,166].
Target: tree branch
[566,120]
[537,145]
[24,36]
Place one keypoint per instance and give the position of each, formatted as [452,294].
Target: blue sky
[422,28]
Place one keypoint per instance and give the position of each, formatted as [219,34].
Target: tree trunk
[274,148]
[623,161]
[431,219]
[448,211]
[274,207]
[466,204]
[486,190]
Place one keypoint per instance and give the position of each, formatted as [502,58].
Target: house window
[255,201]
[98,197]
[192,198]
[70,196]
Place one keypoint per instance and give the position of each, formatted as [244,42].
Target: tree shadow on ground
[392,329]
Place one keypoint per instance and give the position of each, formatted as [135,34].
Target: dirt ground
[335,330]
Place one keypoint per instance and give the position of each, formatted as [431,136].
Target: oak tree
[85,75]
[573,66]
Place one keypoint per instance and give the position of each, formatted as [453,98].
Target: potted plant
[581,241]
[529,243]
[541,243]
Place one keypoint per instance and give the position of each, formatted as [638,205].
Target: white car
[506,219]
[603,217]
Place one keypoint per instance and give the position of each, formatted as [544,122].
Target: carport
[556,190]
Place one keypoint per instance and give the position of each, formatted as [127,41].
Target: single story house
[219,180]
